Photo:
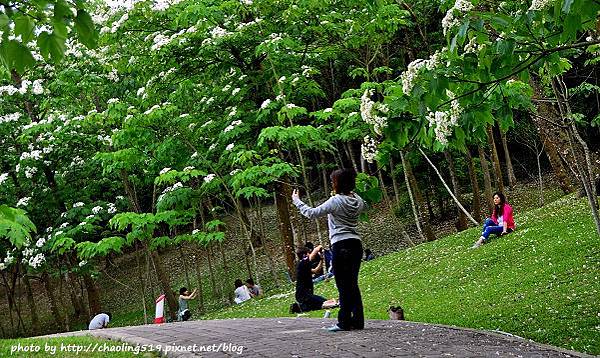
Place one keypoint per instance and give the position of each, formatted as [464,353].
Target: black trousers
[347,255]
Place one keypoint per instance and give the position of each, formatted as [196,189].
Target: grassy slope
[81,342]
[541,282]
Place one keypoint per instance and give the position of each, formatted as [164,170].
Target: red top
[507,216]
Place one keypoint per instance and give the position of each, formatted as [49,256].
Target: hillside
[541,282]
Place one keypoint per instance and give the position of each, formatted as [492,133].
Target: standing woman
[342,210]
[502,221]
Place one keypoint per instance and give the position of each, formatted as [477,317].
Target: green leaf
[24,27]
[4,21]
[15,55]
[52,46]
[86,29]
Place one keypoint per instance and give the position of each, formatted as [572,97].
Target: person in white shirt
[100,321]
[241,292]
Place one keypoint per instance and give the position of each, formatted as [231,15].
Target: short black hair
[309,245]
[344,180]
[238,283]
[250,281]
[109,315]
[300,252]
[182,290]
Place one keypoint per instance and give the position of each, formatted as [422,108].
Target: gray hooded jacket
[342,215]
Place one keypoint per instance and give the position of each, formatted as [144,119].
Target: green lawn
[84,346]
[541,282]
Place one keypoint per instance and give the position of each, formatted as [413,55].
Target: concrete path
[306,337]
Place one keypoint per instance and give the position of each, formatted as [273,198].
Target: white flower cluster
[229,146]
[369,109]
[13,117]
[472,46]
[37,260]
[113,100]
[444,121]
[368,149]
[78,204]
[9,259]
[195,231]
[24,201]
[273,38]
[30,172]
[34,155]
[10,90]
[112,208]
[169,189]
[41,241]
[234,172]
[265,104]
[97,209]
[409,76]
[162,5]
[218,32]
[209,178]
[164,170]
[82,263]
[113,75]
[538,5]
[232,125]
[3,178]
[450,20]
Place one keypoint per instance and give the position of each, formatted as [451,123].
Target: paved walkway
[306,337]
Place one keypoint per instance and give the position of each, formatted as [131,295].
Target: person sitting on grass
[305,296]
[183,314]
[100,321]
[241,292]
[502,221]
[369,255]
[253,288]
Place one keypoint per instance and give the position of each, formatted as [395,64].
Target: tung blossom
[369,112]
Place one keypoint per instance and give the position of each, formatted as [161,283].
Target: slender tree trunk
[461,224]
[512,180]
[418,204]
[165,284]
[93,294]
[142,282]
[495,159]
[211,273]
[35,321]
[183,260]
[538,154]
[77,304]
[58,319]
[348,151]
[282,193]
[476,203]
[267,250]
[65,304]
[456,201]
[394,183]
[226,272]
[487,181]
[324,173]
[386,197]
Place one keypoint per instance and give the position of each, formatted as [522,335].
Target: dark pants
[347,255]
[310,302]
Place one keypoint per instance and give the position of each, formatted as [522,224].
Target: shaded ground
[306,337]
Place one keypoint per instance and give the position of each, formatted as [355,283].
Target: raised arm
[312,213]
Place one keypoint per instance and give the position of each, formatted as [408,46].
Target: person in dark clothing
[304,285]
[342,210]
[369,255]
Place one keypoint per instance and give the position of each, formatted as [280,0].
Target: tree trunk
[282,193]
[495,159]
[199,279]
[418,204]
[461,224]
[165,284]
[183,259]
[35,321]
[226,272]
[476,203]
[211,273]
[386,198]
[487,181]
[512,180]
[348,151]
[142,282]
[324,173]
[394,183]
[93,294]
[58,320]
